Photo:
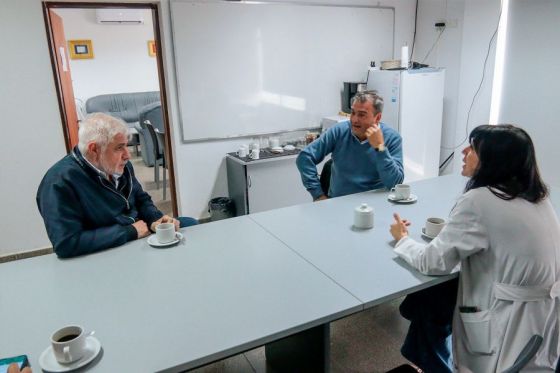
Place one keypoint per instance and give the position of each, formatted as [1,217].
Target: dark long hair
[507,163]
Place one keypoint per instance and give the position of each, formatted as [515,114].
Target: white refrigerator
[413,107]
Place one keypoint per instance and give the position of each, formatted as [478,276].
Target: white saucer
[152,240]
[278,149]
[413,198]
[289,147]
[48,362]
[425,235]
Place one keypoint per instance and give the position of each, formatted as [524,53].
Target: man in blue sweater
[90,200]
[366,153]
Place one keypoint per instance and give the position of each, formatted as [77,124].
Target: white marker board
[254,68]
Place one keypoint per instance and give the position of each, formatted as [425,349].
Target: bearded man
[90,200]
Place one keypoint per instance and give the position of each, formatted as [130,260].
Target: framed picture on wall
[151,48]
[80,49]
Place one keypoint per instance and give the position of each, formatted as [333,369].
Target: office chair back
[526,354]
[325,177]
[158,140]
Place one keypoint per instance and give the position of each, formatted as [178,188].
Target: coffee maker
[350,90]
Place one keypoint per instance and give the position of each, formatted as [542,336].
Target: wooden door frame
[155,8]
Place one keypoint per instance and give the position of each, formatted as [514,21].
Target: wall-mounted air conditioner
[120,16]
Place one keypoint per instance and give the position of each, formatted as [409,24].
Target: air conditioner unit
[120,16]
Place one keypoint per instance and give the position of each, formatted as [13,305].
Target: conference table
[227,287]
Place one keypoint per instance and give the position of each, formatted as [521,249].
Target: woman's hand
[399,227]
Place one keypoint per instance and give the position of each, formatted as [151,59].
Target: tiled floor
[368,341]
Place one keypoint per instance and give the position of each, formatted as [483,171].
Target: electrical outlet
[447,23]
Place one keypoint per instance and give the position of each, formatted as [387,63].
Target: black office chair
[158,139]
[325,177]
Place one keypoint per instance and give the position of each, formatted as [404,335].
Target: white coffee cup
[255,153]
[165,232]
[434,226]
[401,191]
[243,151]
[363,217]
[69,343]
[254,145]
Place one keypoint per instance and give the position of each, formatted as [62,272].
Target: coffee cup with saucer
[153,241]
[432,227]
[71,348]
[401,194]
[165,232]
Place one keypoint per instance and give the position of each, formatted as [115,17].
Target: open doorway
[107,58]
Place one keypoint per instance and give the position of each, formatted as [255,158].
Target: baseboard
[25,254]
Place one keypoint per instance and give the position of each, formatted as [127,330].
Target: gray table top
[227,287]
[362,261]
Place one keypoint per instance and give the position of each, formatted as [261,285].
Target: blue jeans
[428,341]
[185,221]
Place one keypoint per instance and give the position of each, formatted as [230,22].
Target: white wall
[37,140]
[121,62]
[447,54]
[32,129]
[28,103]
[201,171]
[479,22]
[531,78]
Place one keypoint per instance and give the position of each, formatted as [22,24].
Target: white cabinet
[264,184]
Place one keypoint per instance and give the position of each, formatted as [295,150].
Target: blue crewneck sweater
[356,167]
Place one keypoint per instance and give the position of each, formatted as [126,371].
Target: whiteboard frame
[272,2]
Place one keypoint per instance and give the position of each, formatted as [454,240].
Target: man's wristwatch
[380,148]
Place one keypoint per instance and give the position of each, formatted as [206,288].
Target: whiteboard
[255,68]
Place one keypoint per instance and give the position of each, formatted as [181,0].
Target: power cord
[480,85]
[414,36]
[435,43]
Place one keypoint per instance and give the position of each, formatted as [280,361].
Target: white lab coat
[510,270]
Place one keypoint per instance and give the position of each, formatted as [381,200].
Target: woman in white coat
[506,235]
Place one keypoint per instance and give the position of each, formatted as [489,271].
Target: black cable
[445,163]
[414,37]
[480,85]
[434,45]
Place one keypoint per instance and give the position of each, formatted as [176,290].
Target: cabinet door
[275,184]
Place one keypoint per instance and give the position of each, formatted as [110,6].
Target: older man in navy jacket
[90,200]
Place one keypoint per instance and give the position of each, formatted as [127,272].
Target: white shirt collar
[115,177]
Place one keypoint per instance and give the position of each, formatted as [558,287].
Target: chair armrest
[526,354]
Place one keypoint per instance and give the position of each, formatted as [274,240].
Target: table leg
[307,351]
